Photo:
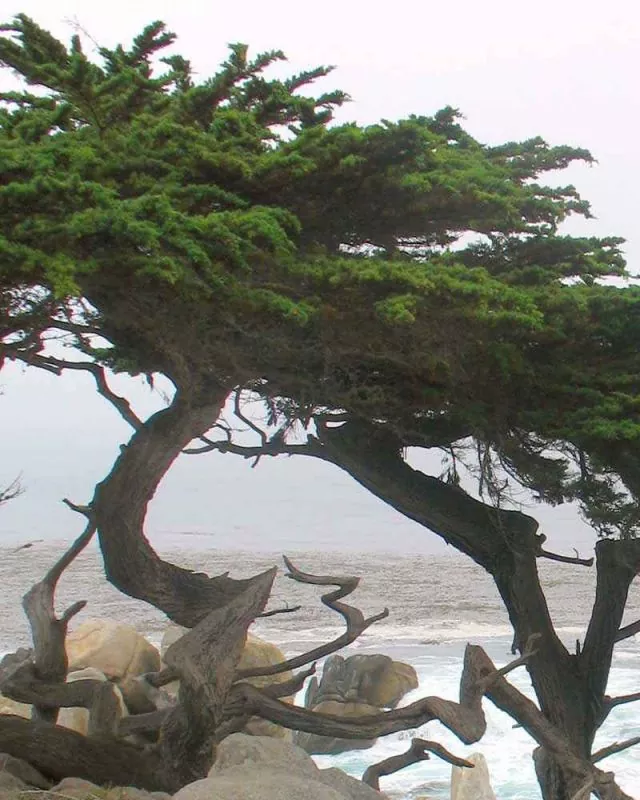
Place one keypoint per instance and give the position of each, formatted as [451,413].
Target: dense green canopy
[229,230]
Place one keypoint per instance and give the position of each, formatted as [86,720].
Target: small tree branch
[290,687]
[354,618]
[584,562]
[273,612]
[419,751]
[627,631]
[58,365]
[612,702]
[616,747]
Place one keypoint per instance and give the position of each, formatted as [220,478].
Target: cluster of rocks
[262,762]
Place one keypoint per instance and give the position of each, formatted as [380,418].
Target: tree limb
[354,618]
[419,751]
[58,365]
[585,562]
[49,632]
[616,747]
[628,630]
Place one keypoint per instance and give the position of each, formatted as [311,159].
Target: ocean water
[437,604]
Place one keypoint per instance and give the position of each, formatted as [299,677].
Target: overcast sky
[566,70]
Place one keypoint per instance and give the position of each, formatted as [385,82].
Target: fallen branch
[419,751]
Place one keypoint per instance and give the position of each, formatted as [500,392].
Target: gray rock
[252,783]
[349,787]
[9,783]
[23,770]
[472,784]
[77,788]
[240,750]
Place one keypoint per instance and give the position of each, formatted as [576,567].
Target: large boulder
[80,789]
[359,684]
[472,784]
[76,718]
[114,648]
[257,653]
[263,768]
[22,770]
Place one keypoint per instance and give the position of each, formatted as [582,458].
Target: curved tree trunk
[570,687]
[119,508]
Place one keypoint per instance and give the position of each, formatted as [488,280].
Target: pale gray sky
[564,69]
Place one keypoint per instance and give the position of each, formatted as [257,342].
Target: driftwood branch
[59,752]
[354,618]
[465,719]
[419,751]
[49,632]
[275,611]
[290,687]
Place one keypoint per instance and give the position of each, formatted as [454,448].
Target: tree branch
[419,751]
[354,618]
[48,632]
[612,702]
[627,631]
[585,562]
[616,747]
[57,366]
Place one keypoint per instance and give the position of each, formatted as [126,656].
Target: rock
[263,768]
[23,771]
[10,784]
[77,718]
[8,706]
[472,784]
[360,684]
[252,784]
[348,786]
[396,680]
[328,745]
[114,648]
[77,788]
[240,750]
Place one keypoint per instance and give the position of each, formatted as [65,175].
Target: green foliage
[403,271]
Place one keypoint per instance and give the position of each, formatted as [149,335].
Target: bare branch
[584,562]
[612,702]
[273,447]
[528,652]
[290,687]
[616,747]
[627,631]
[273,612]
[49,632]
[237,410]
[354,618]
[419,751]
[58,365]
[10,492]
